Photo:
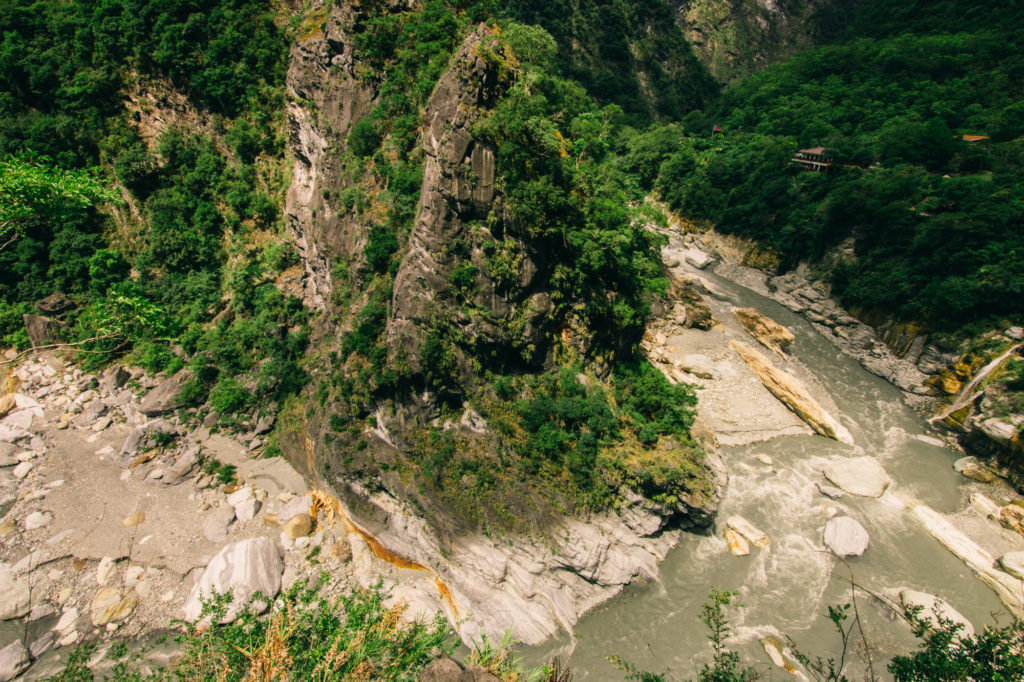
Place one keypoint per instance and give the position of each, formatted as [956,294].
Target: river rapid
[786,590]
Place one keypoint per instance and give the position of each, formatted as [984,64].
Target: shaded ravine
[786,591]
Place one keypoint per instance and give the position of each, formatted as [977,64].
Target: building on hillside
[814,159]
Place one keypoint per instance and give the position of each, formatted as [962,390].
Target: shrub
[229,396]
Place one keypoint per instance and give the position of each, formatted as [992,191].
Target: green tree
[31,191]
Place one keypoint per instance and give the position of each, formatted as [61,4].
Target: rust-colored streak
[331,505]
[446,594]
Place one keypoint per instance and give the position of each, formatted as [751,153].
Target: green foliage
[311,637]
[230,396]
[31,190]
[606,46]
[381,245]
[653,404]
[934,219]
[945,653]
[364,138]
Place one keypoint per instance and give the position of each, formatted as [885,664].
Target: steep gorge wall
[733,38]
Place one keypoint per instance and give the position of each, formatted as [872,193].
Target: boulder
[110,605]
[756,536]
[767,331]
[737,545]
[38,519]
[14,594]
[294,507]
[243,569]
[933,608]
[1013,563]
[697,258]
[792,393]
[999,430]
[845,537]
[298,526]
[55,303]
[862,476]
[113,378]
[14,658]
[166,396]
[973,469]
[42,331]
[699,366]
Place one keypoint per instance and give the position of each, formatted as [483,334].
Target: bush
[229,396]
[364,139]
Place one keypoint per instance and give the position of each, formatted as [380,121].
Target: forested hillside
[935,217]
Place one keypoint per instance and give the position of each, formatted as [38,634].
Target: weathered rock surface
[243,569]
[14,658]
[166,396]
[767,331]
[14,594]
[845,537]
[792,393]
[862,476]
[1006,587]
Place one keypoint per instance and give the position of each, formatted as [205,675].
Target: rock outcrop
[793,393]
[767,331]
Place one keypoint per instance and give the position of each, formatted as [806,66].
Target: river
[786,590]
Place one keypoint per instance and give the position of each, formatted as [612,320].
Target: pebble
[765,459]
[104,570]
[21,471]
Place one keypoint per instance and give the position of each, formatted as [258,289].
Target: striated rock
[14,658]
[845,537]
[972,468]
[1007,588]
[792,393]
[932,609]
[166,396]
[756,536]
[767,331]
[243,569]
[14,594]
[862,476]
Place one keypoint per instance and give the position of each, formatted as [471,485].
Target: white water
[786,591]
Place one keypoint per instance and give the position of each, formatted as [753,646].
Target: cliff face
[736,37]
[468,294]
[325,98]
[444,289]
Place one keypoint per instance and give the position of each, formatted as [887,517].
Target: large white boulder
[862,476]
[845,537]
[1013,563]
[933,608]
[243,569]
